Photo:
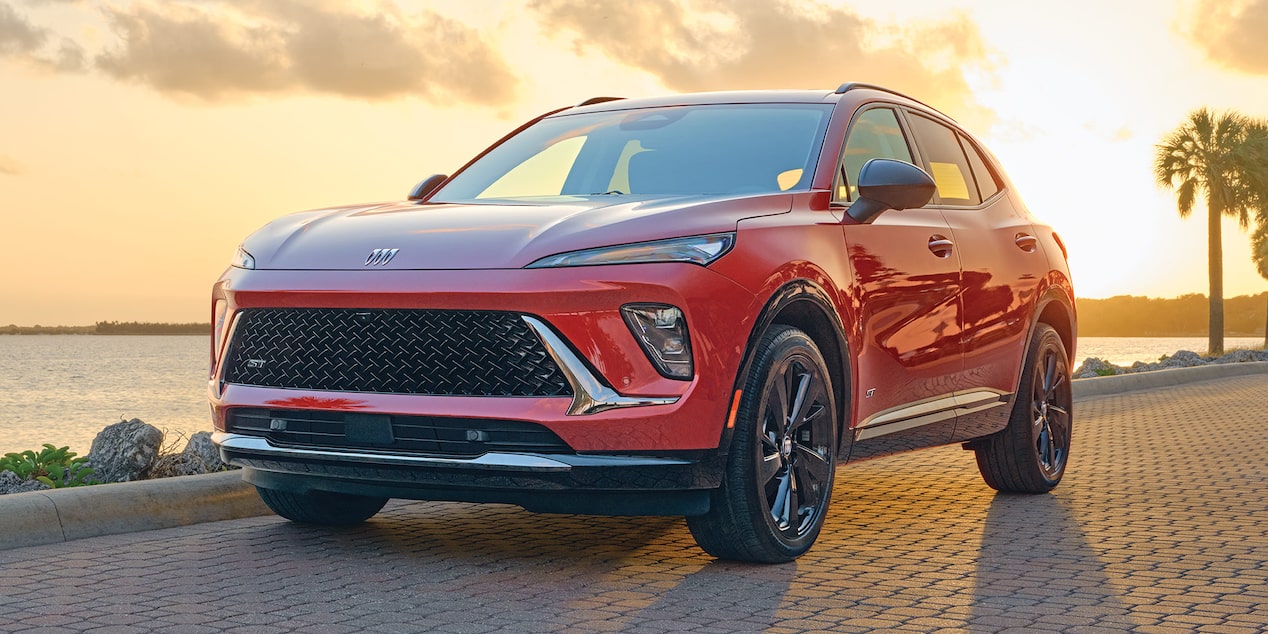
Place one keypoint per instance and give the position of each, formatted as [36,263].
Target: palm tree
[1259,254]
[1224,158]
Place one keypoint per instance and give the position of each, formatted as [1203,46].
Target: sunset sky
[141,141]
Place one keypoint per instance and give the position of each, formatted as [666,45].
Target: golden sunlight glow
[141,141]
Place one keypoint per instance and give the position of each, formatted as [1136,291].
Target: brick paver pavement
[1160,525]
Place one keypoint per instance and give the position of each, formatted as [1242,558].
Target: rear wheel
[778,480]
[321,507]
[1030,455]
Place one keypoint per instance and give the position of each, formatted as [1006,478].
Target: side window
[947,163]
[985,177]
[876,134]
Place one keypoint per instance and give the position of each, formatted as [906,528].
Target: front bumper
[564,483]
[621,402]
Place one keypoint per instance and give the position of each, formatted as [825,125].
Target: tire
[1031,453]
[777,483]
[321,507]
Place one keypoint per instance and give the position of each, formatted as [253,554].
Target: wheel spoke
[769,469]
[779,506]
[777,407]
[1049,371]
[799,400]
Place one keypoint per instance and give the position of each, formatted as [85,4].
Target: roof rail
[856,85]
[593,100]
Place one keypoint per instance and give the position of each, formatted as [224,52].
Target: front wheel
[321,507]
[778,479]
[1030,454]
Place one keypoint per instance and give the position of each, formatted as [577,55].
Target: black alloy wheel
[778,481]
[1030,455]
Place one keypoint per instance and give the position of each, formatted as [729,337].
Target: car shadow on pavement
[1036,568]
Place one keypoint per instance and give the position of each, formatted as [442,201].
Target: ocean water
[1127,350]
[63,389]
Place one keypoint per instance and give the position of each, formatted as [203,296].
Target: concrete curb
[1117,384]
[61,515]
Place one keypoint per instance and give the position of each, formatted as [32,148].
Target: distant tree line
[1183,316]
[111,328]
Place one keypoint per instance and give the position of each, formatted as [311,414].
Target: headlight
[695,249]
[243,260]
[662,332]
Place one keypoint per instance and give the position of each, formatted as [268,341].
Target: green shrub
[54,466]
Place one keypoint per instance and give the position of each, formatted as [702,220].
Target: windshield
[683,150]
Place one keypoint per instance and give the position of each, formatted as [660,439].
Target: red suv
[692,305]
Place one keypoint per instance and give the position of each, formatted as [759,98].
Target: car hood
[490,236]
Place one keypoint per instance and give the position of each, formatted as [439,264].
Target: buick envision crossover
[692,305]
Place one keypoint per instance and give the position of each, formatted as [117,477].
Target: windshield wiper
[610,192]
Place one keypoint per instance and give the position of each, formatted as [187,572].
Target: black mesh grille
[442,352]
[398,434]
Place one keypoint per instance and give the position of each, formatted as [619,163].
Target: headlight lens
[695,249]
[243,260]
[662,331]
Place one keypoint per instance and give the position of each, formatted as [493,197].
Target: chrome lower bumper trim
[590,396]
[255,446]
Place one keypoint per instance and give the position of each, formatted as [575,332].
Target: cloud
[213,50]
[1234,34]
[714,45]
[21,40]
[9,166]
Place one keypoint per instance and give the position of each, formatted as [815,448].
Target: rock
[1182,359]
[1093,366]
[177,464]
[124,451]
[1236,356]
[11,483]
[200,445]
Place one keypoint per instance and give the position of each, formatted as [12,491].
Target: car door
[1001,268]
[906,289]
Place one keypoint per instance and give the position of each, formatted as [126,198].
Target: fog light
[662,332]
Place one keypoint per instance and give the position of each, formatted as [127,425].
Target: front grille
[440,352]
[429,435]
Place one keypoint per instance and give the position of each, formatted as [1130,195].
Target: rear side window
[986,182]
[947,163]
[876,134]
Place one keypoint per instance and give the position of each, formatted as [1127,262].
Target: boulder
[125,451]
[200,445]
[1093,366]
[1182,359]
[177,464]
[1237,356]
[11,483]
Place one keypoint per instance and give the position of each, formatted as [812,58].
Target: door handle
[1026,242]
[941,246]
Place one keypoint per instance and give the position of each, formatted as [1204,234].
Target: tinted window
[947,163]
[719,149]
[876,134]
[986,182]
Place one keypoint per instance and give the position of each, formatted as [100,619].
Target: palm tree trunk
[1266,326]
[1215,257]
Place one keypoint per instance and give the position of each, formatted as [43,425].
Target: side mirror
[889,184]
[426,186]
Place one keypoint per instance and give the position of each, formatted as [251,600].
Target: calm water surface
[63,389]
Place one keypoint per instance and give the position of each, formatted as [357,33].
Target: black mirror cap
[426,186]
[889,184]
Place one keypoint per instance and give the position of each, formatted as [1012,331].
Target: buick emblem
[380,257]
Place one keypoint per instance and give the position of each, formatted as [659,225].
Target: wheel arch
[1056,310]
[806,306]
